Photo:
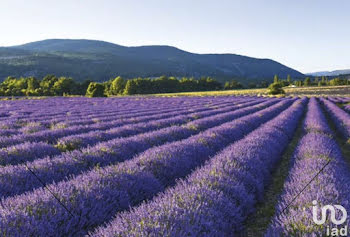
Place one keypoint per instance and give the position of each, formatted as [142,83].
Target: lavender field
[173,166]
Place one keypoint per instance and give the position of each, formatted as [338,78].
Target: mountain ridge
[330,73]
[101,60]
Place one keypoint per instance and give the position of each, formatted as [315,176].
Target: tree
[63,86]
[144,86]
[232,85]
[208,84]
[188,84]
[264,84]
[117,86]
[289,80]
[337,82]
[95,90]
[165,84]
[283,83]
[307,81]
[33,84]
[47,83]
[130,87]
[275,89]
[298,83]
[275,79]
[322,82]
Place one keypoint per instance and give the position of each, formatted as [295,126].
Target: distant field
[297,91]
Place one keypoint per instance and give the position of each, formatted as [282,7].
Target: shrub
[275,89]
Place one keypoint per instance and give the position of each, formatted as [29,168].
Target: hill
[100,61]
[330,73]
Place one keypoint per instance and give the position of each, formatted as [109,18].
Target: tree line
[312,81]
[322,81]
[51,85]
[163,84]
[277,86]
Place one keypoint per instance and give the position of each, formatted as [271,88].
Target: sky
[307,35]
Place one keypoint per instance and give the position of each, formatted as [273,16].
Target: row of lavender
[340,100]
[316,151]
[347,108]
[340,118]
[95,196]
[345,102]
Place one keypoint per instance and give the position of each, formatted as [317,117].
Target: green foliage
[307,81]
[338,82]
[233,85]
[63,86]
[117,86]
[208,84]
[276,89]
[81,88]
[298,83]
[188,84]
[275,79]
[50,85]
[169,85]
[33,84]
[138,86]
[95,90]
[164,84]
[252,85]
[131,87]
[264,84]
[284,83]
[47,83]
[20,87]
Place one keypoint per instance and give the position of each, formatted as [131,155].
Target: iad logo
[324,214]
[330,231]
